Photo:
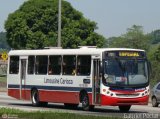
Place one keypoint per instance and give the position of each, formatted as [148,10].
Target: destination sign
[125,54]
[129,54]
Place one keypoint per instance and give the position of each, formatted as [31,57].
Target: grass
[3,84]
[46,115]
[3,79]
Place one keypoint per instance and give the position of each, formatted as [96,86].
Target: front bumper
[112,101]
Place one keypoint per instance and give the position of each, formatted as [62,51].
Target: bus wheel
[125,108]
[85,103]
[154,102]
[35,98]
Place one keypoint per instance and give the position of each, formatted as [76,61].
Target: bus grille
[128,95]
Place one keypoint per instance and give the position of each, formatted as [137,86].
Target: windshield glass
[125,71]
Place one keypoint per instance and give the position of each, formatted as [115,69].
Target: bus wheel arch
[35,98]
[82,92]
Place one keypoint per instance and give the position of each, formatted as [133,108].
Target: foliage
[155,36]
[3,43]
[134,38]
[34,25]
[3,79]
[154,57]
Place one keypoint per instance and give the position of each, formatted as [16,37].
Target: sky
[113,17]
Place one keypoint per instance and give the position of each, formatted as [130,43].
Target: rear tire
[154,102]
[125,108]
[35,99]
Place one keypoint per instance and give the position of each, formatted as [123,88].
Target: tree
[3,42]
[134,38]
[34,25]
[117,42]
[154,57]
[155,35]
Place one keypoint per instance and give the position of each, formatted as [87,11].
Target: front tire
[154,102]
[125,108]
[85,103]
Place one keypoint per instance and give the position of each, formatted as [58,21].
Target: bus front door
[96,81]
[22,79]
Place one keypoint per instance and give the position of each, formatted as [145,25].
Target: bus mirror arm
[149,68]
[101,69]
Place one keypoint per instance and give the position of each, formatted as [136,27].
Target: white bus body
[29,78]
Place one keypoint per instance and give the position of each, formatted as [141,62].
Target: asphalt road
[136,112]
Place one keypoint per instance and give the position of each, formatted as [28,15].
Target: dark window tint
[158,87]
[31,62]
[69,65]
[83,65]
[14,65]
[41,64]
[54,65]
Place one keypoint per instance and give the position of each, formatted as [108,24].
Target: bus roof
[80,51]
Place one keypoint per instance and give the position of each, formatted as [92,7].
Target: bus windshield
[125,72]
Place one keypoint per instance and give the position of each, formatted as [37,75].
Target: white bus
[90,76]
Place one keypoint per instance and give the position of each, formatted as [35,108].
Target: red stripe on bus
[49,96]
[14,93]
[58,97]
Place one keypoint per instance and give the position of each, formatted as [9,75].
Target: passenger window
[14,65]
[54,67]
[69,65]
[31,64]
[83,65]
[41,64]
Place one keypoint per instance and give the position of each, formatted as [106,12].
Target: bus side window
[14,65]
[41,64]
[69,65]
[83,65]
[54,67]
[31,64]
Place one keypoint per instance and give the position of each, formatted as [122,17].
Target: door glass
[23,67]
[96,82]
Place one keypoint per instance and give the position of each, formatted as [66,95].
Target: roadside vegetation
[3,83]
[3,79]
[15,113]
